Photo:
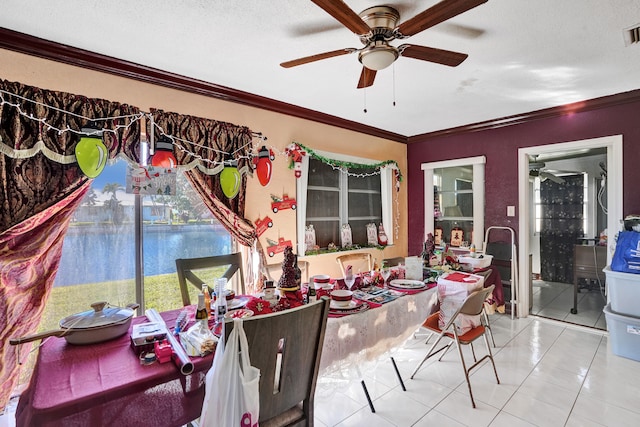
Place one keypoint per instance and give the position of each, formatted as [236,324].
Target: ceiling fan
[377,27]
[536,169]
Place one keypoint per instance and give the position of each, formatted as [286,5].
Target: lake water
[100,254]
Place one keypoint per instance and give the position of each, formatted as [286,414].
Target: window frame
[386,186]
[478,164]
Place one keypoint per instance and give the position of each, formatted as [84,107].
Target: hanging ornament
[295,153]
[230,179]
[91,152]
[262,165]
[163,156]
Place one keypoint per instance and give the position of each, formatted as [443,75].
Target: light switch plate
[511,211]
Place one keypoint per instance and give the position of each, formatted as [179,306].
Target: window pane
[323,175]
[322,204]
[364,182]
[179,226]
[365,205]
[326,232]
[359,230]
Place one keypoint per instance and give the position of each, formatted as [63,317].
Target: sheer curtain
[41,185]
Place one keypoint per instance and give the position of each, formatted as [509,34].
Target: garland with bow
[346,167]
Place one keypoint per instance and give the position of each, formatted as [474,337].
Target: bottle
[311,293]
[472,250]
[221,301]
[201,312]
[298,272]
[207,299]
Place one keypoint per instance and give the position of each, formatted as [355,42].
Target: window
[98,260]
[328,198]
[454,198]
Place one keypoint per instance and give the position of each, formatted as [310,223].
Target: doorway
[606,150]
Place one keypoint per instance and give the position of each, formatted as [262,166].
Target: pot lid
[101,315]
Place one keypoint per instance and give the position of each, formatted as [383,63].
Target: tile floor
[555,300]
[551,374]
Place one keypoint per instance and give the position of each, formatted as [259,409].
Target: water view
[105,253]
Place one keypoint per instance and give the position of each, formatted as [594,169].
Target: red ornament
[262,165]
[163,156]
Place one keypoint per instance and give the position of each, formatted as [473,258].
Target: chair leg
[445,351]
[433,346]
[466,373]
[488,326]
[495,371]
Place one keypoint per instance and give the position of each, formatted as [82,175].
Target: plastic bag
[626,258]
[232,396]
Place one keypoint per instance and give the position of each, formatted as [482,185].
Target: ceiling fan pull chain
[394,84]
[364,94]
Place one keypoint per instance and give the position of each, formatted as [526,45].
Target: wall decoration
[310,238]
[163,156]
[150,180]
[262,165]
[295,153]
[230,179]
[282,203]
[346,238]
[382,236]
[262,225]
[91,152]
[372,234]
[457,236]
[437,238]
[277,247]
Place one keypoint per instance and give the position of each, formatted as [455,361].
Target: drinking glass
[385,272]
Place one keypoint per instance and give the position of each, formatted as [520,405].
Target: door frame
[613,144]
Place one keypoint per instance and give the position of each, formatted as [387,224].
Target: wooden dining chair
[286,346]
[186,266]
[360,261]
[473,305]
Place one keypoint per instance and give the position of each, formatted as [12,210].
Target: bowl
[229,294]
[342,297]
[321,281]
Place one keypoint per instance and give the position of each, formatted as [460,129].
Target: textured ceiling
[524,55]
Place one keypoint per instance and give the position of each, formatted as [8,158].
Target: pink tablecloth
[105,384]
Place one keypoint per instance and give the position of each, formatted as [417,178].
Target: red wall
[500,146]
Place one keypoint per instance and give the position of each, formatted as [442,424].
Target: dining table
[106,384]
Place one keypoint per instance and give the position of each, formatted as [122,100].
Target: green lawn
[162,292]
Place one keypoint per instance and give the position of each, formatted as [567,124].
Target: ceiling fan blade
[347,17]
[552,177]
[436,14]
[316,57]
[367,77]
[431,54]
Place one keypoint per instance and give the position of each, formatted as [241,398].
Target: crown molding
[34,46]
[547,113]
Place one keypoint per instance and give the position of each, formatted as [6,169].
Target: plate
[342,312]
[406,284]
[239,314]
[352,305]
[237,302]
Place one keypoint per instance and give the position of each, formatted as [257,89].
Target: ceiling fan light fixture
[378,56]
